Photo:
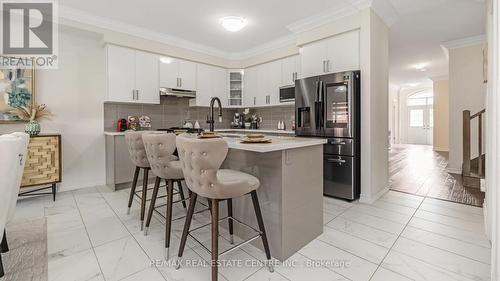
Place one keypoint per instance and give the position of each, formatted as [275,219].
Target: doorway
[420,121]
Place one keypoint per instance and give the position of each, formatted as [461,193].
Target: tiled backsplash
[172,112]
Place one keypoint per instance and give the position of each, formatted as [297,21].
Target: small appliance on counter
[122,125]
[238,121]
[145,122]
[133,123]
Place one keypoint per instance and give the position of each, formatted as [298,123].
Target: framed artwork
[17,89]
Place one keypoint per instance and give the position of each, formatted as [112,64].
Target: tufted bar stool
[140,160]
[160,152]
[201,161]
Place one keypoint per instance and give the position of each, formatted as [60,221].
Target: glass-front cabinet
[235,87]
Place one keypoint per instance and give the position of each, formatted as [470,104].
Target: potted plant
[34,114]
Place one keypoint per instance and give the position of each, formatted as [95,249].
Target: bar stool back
[160,151]
[201,161]
[10,148]
[140,160]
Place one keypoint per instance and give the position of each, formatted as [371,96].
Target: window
[416,118]
[431,118]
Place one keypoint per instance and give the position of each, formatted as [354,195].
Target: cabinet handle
[137,94]
[254,102]
[340,161]
[133,94]
[324,66]
[328,66]
[180,82]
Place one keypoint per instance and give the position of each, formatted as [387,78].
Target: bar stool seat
[164,165]
[201,161]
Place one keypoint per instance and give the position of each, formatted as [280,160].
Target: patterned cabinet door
[43,165]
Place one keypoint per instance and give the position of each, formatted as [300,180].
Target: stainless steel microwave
[287,93]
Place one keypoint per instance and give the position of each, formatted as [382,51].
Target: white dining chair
[13,150]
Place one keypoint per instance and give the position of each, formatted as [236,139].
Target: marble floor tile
[67,242]
[354,245]
[81,266]
[373,221]
[446,260]
[264,275]
[328,217]
[382,213]
[409,211]
[105,229]
[454,206]
[299,268]
[383,274]
[365,232]
[458,247]
[193,268]
[149,274]
[340,261]
[461,213]
[476,237]
[121,258]
[450,221]
[401,198]
[418,270]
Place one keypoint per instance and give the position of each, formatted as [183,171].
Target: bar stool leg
[230,220]
[215,239]
[181,193]
[192,203]
[2,273]
[260,221]
[132,190]
[168,223]
[152,204]
[4,246]
[144,196]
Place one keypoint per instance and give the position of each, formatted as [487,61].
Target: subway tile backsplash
[172,112]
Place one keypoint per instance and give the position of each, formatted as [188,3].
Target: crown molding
[121,27]
[327,16]
[464,42]
[278,43]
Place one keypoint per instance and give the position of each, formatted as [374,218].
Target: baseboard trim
[454,171]
[370,200]
[441,149]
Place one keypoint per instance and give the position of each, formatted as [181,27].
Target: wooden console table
[43,165]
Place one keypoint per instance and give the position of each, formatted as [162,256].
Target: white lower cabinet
[132,76]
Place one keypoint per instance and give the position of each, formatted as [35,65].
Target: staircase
[473,170]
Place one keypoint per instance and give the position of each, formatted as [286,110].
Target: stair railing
[466,144]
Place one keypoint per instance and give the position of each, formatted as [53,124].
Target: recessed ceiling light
[232,23]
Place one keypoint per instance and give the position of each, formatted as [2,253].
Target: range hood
[177,93]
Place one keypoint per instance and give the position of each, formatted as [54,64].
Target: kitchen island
[290,171]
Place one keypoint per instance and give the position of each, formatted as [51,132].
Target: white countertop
[242,131]
[278,142]
[257,131]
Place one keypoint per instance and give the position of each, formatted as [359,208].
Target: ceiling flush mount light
[233,23]
[420,67]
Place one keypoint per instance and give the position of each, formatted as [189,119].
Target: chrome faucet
[210,119]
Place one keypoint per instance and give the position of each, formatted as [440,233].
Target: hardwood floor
[417,169]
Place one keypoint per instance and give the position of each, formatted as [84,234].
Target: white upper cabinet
[272,83]
[343,52]
[211,82]
[334,54]
[220,87]
[177,73]
[187,75]
[132,76]
[251,86]
[147,77]
[121,74]
[290,70]
[313,58]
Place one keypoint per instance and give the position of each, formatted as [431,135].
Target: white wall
[441,131]
[74,93]
[467,92]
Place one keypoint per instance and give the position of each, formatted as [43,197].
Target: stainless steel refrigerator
[328,106]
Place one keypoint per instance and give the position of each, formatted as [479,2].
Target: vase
[32,128]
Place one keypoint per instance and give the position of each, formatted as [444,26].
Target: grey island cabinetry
[290,171]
